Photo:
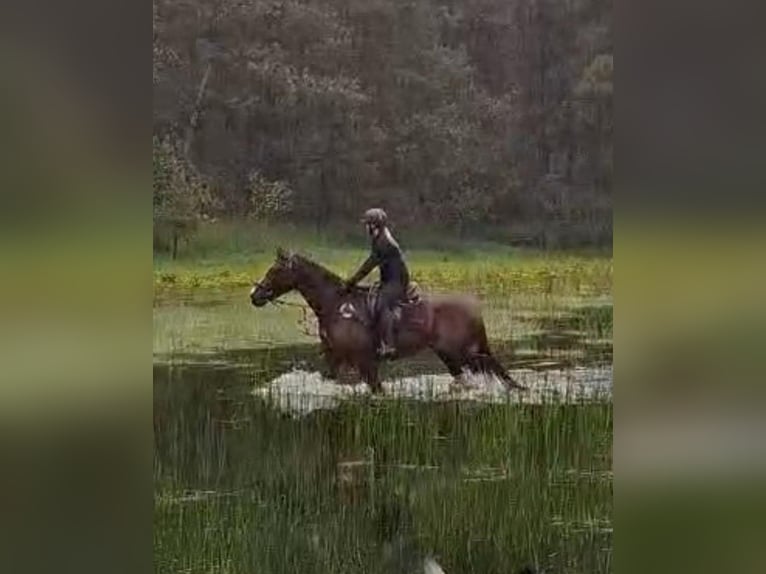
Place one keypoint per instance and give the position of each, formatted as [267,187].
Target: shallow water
[263,465]
[220,321]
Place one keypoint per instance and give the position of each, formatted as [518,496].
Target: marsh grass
[375,487]
[233,255]
[236,236]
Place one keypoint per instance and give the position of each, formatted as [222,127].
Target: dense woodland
[473,115]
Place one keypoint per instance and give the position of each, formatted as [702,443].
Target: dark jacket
[387,255]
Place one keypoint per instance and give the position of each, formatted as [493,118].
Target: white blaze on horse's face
[252,291]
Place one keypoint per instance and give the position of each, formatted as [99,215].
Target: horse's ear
[284,256]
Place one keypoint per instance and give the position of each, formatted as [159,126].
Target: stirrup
[386,350]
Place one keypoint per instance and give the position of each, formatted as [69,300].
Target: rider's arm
[371,263]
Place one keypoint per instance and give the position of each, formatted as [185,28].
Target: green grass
[234,255]
[376,487]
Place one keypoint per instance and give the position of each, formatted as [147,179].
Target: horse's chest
[347,310]
[351,312]
[348,315]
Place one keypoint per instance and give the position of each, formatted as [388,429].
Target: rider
[394,276]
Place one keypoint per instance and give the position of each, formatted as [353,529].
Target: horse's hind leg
[488,364]
[483,361]
[454,365]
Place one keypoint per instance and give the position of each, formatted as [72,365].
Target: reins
[303,322]
[288,303]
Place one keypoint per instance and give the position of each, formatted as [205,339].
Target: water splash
[430,566]
[301,392]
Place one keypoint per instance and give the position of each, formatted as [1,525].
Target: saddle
[411,297]
[349,310]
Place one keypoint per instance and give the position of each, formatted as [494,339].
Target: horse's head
[279,279]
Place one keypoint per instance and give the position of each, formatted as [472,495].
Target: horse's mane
[319,268]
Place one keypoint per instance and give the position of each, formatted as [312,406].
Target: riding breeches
[390,295]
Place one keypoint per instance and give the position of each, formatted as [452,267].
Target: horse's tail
[488,363]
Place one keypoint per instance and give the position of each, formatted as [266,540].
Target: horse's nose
[252,291]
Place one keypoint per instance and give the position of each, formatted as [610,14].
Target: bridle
[276,301]
[303,321]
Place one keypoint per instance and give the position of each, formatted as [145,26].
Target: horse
[450,325]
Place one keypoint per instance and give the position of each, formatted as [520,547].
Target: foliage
[490,275]
[180,197]
[456,112]
[178,190]
[268,199]
[597,77]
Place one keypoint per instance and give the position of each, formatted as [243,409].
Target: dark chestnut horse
[449,325]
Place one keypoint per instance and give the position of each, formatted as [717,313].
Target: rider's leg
[389,298]
[386,331]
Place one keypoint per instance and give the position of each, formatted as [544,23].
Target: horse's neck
[318,289]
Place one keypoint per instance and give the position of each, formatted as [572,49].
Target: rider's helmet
[375,217]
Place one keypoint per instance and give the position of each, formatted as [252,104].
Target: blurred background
[75,293]
[77,243]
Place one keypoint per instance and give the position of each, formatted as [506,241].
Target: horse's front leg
[332,363]
[368,369]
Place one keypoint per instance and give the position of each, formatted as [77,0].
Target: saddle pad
[412,296]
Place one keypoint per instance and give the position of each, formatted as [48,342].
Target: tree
[268,199]
[480,103]
[180,196]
